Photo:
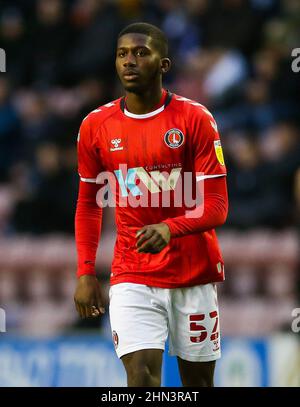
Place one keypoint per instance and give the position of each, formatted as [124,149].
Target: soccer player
[166,258]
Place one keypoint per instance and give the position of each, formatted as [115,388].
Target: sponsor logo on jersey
[154,181]
[115,338]
[116,144]
[219,151]
[216,345]
[174,138]
[137,187]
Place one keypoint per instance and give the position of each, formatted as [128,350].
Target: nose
[129,60]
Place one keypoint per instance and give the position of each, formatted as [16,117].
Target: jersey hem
[116,280]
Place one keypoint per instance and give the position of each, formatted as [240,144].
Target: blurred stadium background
[234,56]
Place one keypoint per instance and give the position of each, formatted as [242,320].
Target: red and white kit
[180,136]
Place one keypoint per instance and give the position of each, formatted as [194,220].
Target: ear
[165,65]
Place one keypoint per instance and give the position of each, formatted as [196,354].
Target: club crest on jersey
[174,138]
[115,339]
[116,144]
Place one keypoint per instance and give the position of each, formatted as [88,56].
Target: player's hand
[153,238]
[88,297]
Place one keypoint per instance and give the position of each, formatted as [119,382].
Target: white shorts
[142,317]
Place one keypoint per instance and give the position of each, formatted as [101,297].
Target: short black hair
[157,35]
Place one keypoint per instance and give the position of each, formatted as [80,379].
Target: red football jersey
[147,156]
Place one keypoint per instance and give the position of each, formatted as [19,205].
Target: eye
[121,54]
[141,53]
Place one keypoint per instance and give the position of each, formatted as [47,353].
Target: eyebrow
[134,48]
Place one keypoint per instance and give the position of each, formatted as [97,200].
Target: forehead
[134,40]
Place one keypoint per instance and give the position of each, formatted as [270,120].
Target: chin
[132,87]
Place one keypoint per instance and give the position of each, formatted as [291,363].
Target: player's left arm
[211,181]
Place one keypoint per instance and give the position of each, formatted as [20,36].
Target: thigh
[194,323]
[138,318]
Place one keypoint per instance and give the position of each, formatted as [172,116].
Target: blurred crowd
[234,56]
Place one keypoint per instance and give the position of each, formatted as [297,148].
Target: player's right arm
[88,295]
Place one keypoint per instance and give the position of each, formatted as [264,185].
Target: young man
[166,258]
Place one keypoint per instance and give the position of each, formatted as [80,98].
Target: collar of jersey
[146,115]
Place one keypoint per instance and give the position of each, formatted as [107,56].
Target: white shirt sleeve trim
[201,177]
[88,179]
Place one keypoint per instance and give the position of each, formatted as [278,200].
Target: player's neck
[143,103]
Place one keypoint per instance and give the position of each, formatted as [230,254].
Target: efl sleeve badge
[219,152]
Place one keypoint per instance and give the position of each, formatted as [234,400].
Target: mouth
[130,75]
